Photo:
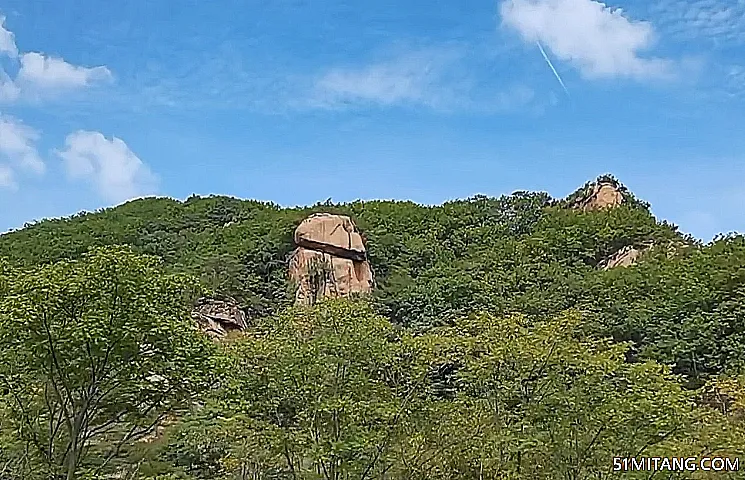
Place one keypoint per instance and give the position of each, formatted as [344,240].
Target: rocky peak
[330,260]
[603,193]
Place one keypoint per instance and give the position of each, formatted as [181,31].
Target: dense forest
[496,344]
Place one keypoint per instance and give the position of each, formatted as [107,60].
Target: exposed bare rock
[599,195]
[219,315]
[330,260]
[625,257]
[630,254]
[333,234]
[321,275]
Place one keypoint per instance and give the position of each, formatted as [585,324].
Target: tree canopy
[495,344]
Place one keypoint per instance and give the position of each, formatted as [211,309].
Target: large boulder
[330,260]
[334,234]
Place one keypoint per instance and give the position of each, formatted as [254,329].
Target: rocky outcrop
[218,316]
[625,257]
[630,254]
[599,195]
[330,260]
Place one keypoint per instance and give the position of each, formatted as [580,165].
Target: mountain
[525,253]
[617,279]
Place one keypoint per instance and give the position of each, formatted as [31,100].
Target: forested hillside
[498,342]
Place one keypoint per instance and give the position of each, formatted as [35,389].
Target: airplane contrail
[556,74]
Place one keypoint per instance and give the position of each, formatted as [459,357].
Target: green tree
[336,392]
[319,393]
[720,425]
[94,354]
[682,307]
[535,401]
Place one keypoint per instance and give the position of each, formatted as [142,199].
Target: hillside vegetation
[494,346]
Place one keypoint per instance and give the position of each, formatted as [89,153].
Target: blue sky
[296,101]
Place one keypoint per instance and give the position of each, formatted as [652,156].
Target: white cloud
[52,73]
[42,75]
[413,78]
[18,145]
[443,79]
[7,40]
[115,171]
[599,40]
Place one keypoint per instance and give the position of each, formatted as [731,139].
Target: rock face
[330,260]
[630,254]
[603,194]
[625,257]
[218,316]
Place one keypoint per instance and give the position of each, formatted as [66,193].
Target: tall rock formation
[330,260]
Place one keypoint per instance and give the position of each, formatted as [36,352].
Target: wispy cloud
[713,31]
[716,80]
[115,171]
[735,80]
[435,78]
[600,41]
[18,149]
[413,78]
[6,177]
[712,21]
